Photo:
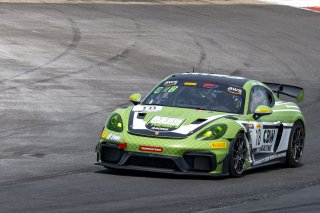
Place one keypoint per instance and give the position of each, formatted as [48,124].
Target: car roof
[208,77]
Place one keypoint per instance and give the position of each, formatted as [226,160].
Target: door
[265,132]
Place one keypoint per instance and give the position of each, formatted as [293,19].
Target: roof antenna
[209,63]
[192,69]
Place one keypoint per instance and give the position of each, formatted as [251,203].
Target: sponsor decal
[258,141]
[151,149]
[164,123]
[265,140]
[264,110]
[219,145]
[235,90]
[104,134]
[266,148]
[210,85]
[159,128]
[172,89]
[170,83]
[272,157]
[158,90]
[113,137]
[190,83]
[269,135]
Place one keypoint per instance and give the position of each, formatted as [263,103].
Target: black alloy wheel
[238,156]
[296,145]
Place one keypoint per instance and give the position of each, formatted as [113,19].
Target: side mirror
[262,110]
[135,98]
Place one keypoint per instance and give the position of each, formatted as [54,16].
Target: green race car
[205,124]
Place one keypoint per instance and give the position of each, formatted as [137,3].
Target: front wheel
[296,144]
[237,156]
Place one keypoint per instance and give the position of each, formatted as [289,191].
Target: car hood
[172,122]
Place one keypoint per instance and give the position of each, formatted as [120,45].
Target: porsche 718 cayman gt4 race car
[198,124]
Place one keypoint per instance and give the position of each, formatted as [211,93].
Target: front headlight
[115,123]
[212,133]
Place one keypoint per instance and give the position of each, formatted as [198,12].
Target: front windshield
[198,95]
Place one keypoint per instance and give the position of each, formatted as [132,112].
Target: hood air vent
[141,115]
[199,121]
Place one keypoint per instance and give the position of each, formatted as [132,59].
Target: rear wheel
[296,145]
[237,156]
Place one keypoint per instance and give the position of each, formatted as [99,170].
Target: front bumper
[190,163]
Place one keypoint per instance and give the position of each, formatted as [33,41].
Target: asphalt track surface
[63,68]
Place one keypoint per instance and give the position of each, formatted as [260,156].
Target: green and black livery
[205,124]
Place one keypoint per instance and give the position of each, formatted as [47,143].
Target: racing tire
[295,145]
[238,153]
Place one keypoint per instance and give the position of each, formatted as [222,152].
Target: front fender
[233,129]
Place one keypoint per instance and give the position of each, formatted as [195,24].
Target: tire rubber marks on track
[76,37]
[113,59]
[88,169]
[203,55]
[124,53]
[312,5]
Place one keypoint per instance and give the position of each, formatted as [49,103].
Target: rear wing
[291,91]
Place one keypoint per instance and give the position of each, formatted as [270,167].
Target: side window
[260,96]
[270,96]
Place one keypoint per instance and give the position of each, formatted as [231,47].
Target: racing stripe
[286,110]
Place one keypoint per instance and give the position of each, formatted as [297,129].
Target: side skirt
[271,162]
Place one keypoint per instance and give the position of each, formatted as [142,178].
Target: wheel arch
[302,120]
[234,128]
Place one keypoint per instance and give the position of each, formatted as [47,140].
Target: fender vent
[231,117]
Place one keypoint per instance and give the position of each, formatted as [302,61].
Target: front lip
[159,163]
[157,170]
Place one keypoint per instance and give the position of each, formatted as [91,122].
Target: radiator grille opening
[110,154]
[200,162]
